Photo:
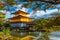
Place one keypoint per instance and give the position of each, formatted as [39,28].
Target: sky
[38,13]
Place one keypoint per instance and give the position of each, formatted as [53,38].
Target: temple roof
[20,16]
[19,12]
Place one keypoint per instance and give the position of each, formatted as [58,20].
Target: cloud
[41,13]
[24,9]
[13,8]
[8,14]
[4,11]
[19,7]
[51,11]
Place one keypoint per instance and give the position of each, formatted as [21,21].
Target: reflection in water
[34,35]
[52,36]
[39,35]
[55,36]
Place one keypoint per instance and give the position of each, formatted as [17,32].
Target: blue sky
[39,13]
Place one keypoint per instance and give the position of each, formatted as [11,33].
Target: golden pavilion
[20,19]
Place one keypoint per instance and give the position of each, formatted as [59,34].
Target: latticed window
[23,24]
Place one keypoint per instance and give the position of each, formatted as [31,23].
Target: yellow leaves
[26,38]
[1,6]
[1,36]
[2,15]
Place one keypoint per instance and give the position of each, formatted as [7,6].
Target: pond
[52,35]
[55,36]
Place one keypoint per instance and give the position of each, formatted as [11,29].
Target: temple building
[20,19]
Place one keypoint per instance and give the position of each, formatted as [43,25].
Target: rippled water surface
[55,36]
[52,35]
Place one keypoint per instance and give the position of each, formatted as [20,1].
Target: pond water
[52,35]
[55,36]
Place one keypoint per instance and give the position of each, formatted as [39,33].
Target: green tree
[1,6]
[42,23]
[10,2]
[55,19]
[2,18]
